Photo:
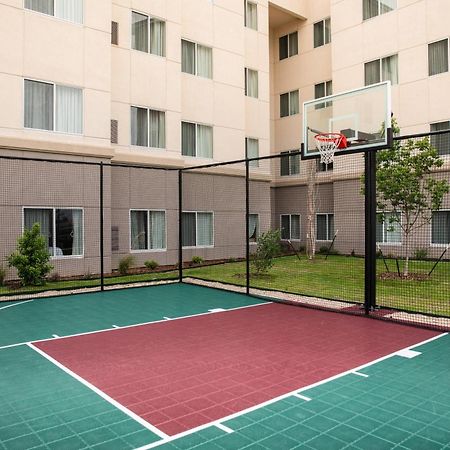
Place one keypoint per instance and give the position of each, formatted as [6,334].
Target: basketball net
[327,143]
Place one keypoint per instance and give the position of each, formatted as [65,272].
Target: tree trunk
[311,211]
[406,268]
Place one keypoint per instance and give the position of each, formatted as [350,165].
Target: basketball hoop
[327,143]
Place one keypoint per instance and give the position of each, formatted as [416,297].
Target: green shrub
[197,260]
[151,264]
[232,260]
[54,277]
[2,275]
[125,264]
[324,250]
[268,246]
[31,258]
[421,253]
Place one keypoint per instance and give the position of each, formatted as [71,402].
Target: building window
[322,167]
[372,8]
[71,10]
[196,140]
[289,164]
[290,227]
[325,227]
[438,57]
[253,227]
[196,59]
[251,83]
[147,230]
[53,107]
[251,15]
[252,151]
[388,228]
[288,45]
[197,229]
[384,69]
[322,32]
[323,90]
[440,227]
[148,127]
[62,229]
[441,142]
[148,34]
[289,103]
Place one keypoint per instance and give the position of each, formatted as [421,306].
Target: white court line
[408,353]
[132,326]
[167,318]
[223,427]
[55,335]
[360,374]
[281,397]
[16,304]
[115,326]
[303,397]
[106,397]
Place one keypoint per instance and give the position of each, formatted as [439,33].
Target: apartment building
[173,83]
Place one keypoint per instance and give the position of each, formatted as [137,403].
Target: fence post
[102,250]
[247,231]
[180,226]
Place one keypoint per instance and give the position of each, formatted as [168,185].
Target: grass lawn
[342,278]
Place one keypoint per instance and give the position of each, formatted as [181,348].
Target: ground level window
[325,227]
[61,228]
[148,230]
[253,227]
[441,142]
[440,227]
[197,229]
[388,228]
[290,226]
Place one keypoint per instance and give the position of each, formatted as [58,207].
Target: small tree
[311,206]
[406,186]
[31,258]
[268,246]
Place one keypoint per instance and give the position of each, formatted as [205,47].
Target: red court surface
[180,374]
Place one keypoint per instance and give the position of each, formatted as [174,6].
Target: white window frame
[148,250]
[258,229]
[288,46]
[196,128]
[53,209]
[149,108]
[328,226]
[252,164]
[196,230]
[324,32]
[327,167]
[148,27]
[445,155]
[379,13]
[448,54]
[54,106]
[380,67]
[246,69]
[289,103]
[287,154]
[433,244]
[196,59]
[385,243]
[57,17]
[290,226]
[245,15]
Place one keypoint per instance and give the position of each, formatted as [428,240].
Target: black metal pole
[438,261]
[331,245]
[180,226]
[370,232]
[102,249]
[247,231]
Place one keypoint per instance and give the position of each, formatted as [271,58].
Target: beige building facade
[178,83]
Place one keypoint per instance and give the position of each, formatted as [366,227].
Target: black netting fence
[276,227]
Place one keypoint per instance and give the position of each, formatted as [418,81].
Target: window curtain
[294,103]
[187,57]
[284,164]
[252,83]
[69,10]
[139,32]
[321,230]
[157,129]
[38,105]
[293,44]
[77,245]
[139,126]
[441,142]
[438,57]
[157,229]
[189,230]
[69,110]
[139,230]
[295,226]
[285,227]
[204,141]
[252,151]
[204,61]
[389,69]
[157,37]
[330,226]
[294,162]
[440,227]
[283,47]
[204,229]
[392,228]
[44,217]
[370,9]
[251,16]
[187,139]
[253,226]
[372,72]
[318,34]
[387,5]
[284,105]
[42,6]
[327,31]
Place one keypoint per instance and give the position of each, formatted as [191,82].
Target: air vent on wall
[114,131]
[115,33]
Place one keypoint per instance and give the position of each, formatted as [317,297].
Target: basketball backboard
[363,115]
